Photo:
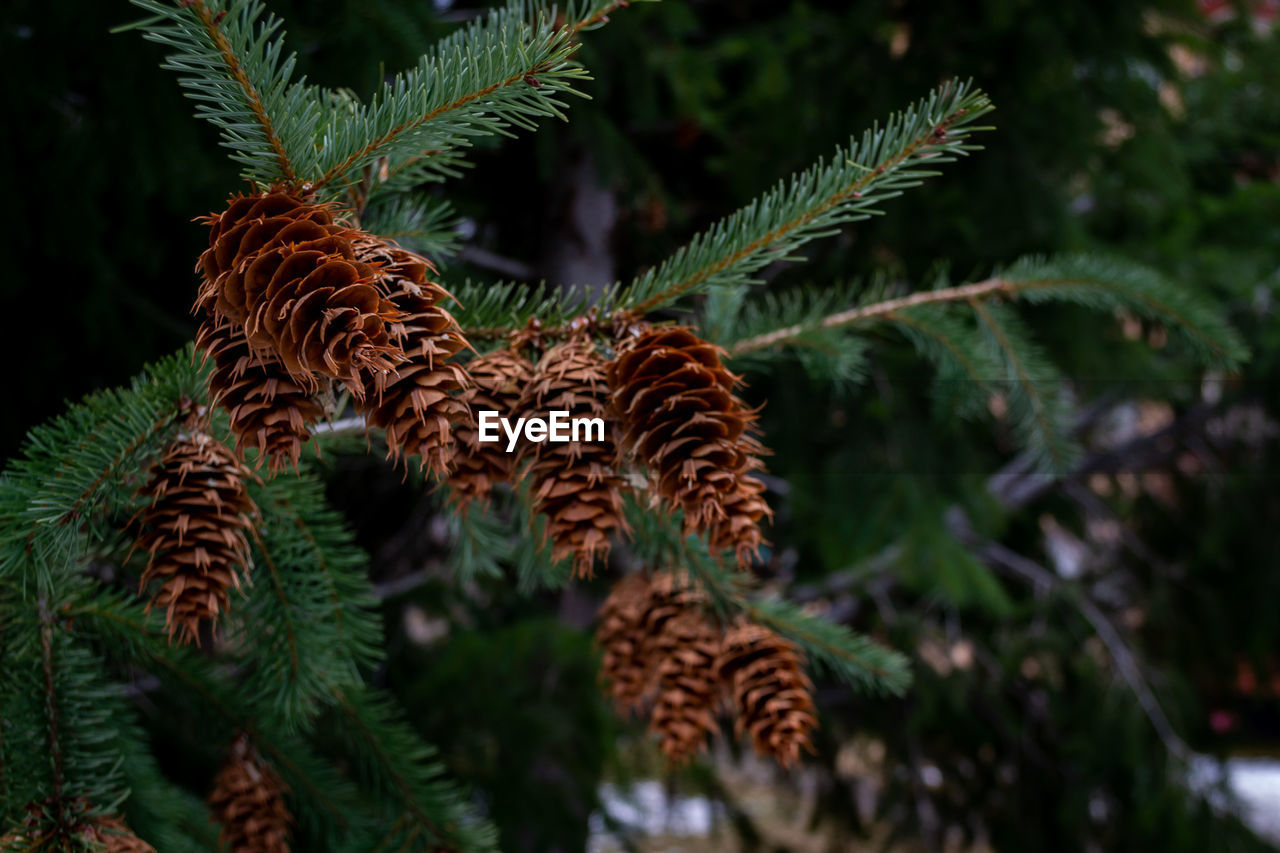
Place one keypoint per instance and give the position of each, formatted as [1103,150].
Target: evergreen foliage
[296,667]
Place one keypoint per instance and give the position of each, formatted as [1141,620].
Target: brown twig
[874,311]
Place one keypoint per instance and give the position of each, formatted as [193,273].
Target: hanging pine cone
[575,484]
[623,640]
[500,379]
[80,829]
[269,410]
[418,404]
[684,712]
[771,693]
[194,532]
[283,269]
[680,417]
[248,800]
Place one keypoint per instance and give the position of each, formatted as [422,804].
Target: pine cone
[772,695]
[418,404]
[688,687]
[575,484]
[107,833]
[194,532]
[680,417]
[280,267]
[269,410]
[622,638]
[500,379]
[248,800]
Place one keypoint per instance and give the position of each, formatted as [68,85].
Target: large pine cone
[575,484]
[280,267]
[106,833]
[681,418]
[500,378]
[248,800]
[194,532]
[684,713]
[419,404]
[771,693]
[269,410]
[625,665]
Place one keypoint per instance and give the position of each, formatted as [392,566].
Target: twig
[488,260]
[51,704]
[1126,661]
[875,310]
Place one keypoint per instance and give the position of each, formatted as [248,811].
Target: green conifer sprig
[500,72]
[977,343]
[416,221]
[848,187]
[230,58]
[403,778]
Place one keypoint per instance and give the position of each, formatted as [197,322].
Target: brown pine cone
[248,800]
[684,712]
[107,833]
[284,270]
[194,532]
[680,417]
[420,402]
[772,694]
[500,378]
[575,484]
[623,641]
[269,410]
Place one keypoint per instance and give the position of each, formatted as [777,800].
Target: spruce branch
[847,188]
[503,71]
[230,55]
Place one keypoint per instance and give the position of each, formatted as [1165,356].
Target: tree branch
[877,310]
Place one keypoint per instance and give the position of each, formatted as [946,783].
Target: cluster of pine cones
[295,303]
[663,652]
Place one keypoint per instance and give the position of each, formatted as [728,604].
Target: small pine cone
[620,633]
[269,410]
[194,532]
[419,403]
[684,712]
[680,417]
[771,693]
[500,379]
[670,595]
[744,510]
[248,800]
[575,484]
[284,270]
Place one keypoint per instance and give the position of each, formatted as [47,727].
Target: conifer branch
[211,22]
[504,70]
[230,55]
[811,205]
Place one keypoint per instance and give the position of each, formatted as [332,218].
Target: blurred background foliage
[1149,130]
